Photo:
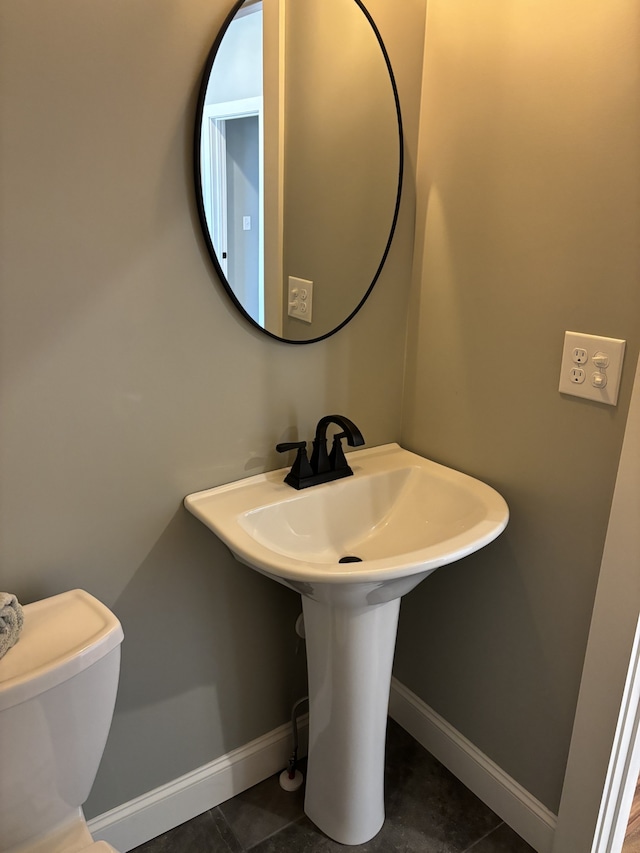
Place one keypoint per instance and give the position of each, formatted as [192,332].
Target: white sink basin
[402,516]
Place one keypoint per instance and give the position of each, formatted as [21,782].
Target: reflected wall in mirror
[298,162]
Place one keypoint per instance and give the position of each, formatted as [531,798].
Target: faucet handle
[301,468]
[337,459]
[291,445]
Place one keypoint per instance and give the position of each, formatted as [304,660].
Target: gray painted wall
[129,381]
[528,226]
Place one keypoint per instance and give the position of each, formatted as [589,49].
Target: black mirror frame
[198,179]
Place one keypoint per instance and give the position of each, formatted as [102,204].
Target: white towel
[11,621]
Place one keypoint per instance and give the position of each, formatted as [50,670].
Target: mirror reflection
[298,161]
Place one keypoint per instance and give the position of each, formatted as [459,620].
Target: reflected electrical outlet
[300,298]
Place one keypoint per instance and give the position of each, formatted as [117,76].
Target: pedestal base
[350,656]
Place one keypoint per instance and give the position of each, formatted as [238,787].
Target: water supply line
[291,778]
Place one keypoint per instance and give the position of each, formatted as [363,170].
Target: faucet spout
[351,432]
[321,461]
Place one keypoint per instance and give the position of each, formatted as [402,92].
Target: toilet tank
[58,688]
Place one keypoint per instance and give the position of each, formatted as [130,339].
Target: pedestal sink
[352,548]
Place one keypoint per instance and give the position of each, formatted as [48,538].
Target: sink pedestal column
[350,656]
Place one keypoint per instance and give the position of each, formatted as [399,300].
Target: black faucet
[323,466]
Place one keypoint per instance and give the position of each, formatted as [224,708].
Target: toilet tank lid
[61,636]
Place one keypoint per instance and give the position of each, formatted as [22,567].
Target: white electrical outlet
[591,367]
[300,298]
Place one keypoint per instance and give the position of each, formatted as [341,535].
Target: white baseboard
[509,800]
[148,816]
[151,814]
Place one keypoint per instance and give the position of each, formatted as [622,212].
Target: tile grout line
[275,832]
[486,835]
[222,815]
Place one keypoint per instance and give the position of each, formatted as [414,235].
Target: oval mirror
[298,162]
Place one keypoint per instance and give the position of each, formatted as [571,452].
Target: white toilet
[58,689]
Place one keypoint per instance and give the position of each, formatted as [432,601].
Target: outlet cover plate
[300,298]
[576,342]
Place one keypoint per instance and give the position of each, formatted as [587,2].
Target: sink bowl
[397,519]
[352,548]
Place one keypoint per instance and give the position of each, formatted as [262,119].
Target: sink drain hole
[350,560]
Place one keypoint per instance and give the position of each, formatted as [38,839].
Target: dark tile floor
[427,811]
